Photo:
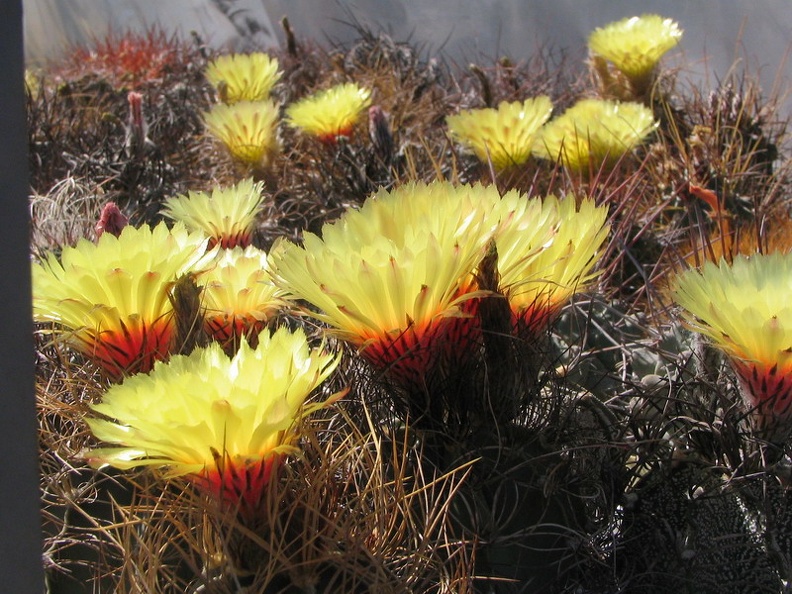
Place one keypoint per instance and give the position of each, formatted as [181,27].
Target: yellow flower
[594,132]
[635,45]
[221,421]
[504,135]
[387,276]
[33,83]
[248,129]
[243,77]
[745,309]
[239,296]
[111,297]
[226,215]
[546,253]
[330,113]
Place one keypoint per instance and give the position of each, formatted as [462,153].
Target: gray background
[716,32]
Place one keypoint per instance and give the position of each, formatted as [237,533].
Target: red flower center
[132,348]
[767,390]
[234,483]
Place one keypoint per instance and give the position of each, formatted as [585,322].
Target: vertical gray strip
[20,532]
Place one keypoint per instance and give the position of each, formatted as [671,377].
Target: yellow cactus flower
[223,422]
[386,277]
[635,45]
[248,130]
[226,215]
[239,296]
[594,132]
[504,135]
[745,310]
[546,253]
[33,83]
[330,113]
[243,77]
[111,298]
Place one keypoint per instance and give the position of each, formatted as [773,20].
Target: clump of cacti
[402,330]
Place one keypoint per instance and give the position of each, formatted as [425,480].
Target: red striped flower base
[331,138]
[411,358]
[239,483]
[534,320]
[241,239]
[229,330]
[132,348]
[767,390]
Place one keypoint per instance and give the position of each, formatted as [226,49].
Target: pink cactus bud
[111,220]
[137,128]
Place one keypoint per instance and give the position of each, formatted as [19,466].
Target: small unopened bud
[111,220]
[137,128]
[379,130]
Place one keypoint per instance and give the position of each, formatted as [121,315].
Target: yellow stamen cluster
[111,297]
[243,77]
[220,420]
[330,113]
[595,132]
[504,136]
[635,45]
[248,130]
[239,296]
[226,215]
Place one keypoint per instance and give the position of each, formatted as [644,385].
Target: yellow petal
[227,215]
[243,407]
[243,77]
[504,135]
[594,132]
[330,113]
[635,45]
[248,129]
